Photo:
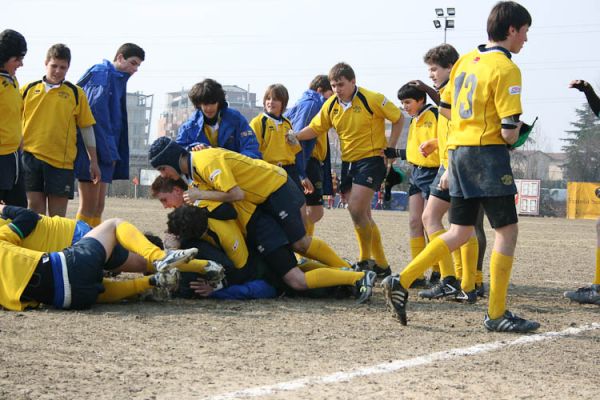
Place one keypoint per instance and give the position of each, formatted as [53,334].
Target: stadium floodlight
[451,11]
[439,12]
[449,24]
[437,23]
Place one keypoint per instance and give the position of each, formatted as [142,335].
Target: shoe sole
[368,291]
[180,261]
[400,315]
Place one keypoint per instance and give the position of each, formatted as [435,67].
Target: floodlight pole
[445,14]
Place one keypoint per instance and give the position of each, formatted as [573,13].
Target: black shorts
[501,211]
[314,172]
[421,179]
[293,174]
[84,261]
[435,190]
[369,172]
[43,177]
[264,233]
[481,171]
[284,206]
[12,183]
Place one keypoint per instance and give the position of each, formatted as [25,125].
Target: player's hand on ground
[201,287]
[95,173]
[200,146]
[428,147]
[307,185]
[291,139]
[191,195]
[579,84]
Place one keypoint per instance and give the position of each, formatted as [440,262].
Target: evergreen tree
[583,148]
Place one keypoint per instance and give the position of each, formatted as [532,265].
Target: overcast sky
[253,43]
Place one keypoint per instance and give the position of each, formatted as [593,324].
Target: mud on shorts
[369,172]
[482,175]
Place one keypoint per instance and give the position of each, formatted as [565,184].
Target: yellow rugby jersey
[17,265]
[484,87]
[443,130]
[271,134]
[11,109]
[50,234]
[320,150]
[360,126]
[221,170]
[423,127]
[50,121]
[212,135]
[227,235]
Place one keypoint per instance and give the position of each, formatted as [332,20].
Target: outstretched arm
[590,95]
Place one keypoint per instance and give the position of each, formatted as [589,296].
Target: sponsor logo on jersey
[214,174]
[514,90]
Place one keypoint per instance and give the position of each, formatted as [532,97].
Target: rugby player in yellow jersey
[358,115]
[13,48]
[271,128]
[53,109]
[72,278]
[589,294]
[422,128]
[484,100]
[225,176]
[440,61]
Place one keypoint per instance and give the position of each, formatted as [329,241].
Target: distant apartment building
[537,164]
[179,107]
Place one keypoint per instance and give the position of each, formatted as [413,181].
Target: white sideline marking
[393,366]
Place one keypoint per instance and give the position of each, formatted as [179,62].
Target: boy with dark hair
[314,164]
[13,48]
[423,128]
[276,223]
[53,110]
[589,294]
[359,115]
[271,128]
[484,100]
[216,124]
[105,85]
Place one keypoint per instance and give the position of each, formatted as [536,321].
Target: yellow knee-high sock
[478,277]
[118,290]
[85,218]
[500,267]
[96,221]
[417,244]
[446,265]
[310,227]
[309,265]
[134,240]
[597,278]
[435,251]
[193,266]
[377,247]
[458,263]
[320,251]
[469,253]
[364,235]
[327,277]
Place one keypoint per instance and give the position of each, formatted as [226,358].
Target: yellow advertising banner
[583,200]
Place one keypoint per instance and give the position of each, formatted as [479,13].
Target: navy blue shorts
[421,179]
[369,172]
[84,262]
[284,206]
[82,167]
[481,171]
[293,174]
[501,211]
[265,234]
[12,182]
[314,172]
[44,178]
[435,190]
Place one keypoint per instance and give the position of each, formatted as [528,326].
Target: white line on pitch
[393,366]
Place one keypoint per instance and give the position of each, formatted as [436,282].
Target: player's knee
[302,245]
[295,279]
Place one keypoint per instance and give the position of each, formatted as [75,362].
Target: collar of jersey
[345,107]
[8,76]
[483,49]
[425,108]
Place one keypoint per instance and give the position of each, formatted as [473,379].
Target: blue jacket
[257,289]
[106,90]
[300,115]
[234,133]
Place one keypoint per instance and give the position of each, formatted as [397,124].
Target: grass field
[320,349]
